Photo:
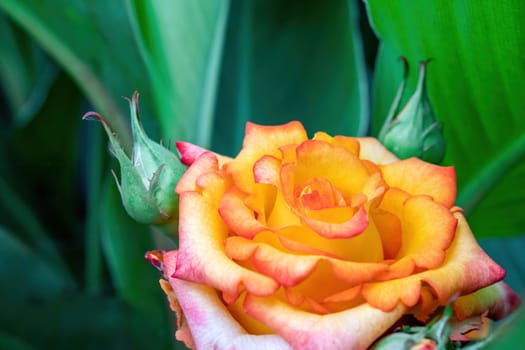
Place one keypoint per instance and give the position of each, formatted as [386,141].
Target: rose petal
[201,236]
[190,152]
[183,332]
[389,228]
[323,160]
[266,170]
[237,216]
[304,302]
[371,149]
[350,143]
[428,230]
[365,247]
[206,163]
[210,322]
[348,229]
[387,295]
[345,295]
[356,328]
[421,178]
[262,141]
[328,163]
[290,269]
[281,215]
[466,269]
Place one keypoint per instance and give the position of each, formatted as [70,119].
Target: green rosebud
[148,179]
[433,336]
[414,132]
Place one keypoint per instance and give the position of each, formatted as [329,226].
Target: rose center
[318,194]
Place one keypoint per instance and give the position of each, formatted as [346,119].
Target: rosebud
[148,179]
[433,336]
[414,132]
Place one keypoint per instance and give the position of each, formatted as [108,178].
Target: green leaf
[8,342]
[26,72]
[38,180]
[28,275]
[83,322]
[508,252]
[475,86]
[93,42]
[41,310]
[292,60]
[181,43]
[125,243]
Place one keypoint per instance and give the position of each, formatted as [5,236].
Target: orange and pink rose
[319,243]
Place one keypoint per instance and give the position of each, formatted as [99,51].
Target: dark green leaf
[84,322]
[475,86]
[508,252]
[26,73]
[94,43]
[39,199]
[28,275]
[292,60]
[8,342]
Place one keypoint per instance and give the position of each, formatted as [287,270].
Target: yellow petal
[356,328]
[421,178]
[202,233]
[262,141]
[371,149]
[466,268]
[291,269]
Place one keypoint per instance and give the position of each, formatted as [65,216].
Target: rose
[319,243]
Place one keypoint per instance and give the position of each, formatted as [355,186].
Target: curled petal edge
[356,328]
[203,308]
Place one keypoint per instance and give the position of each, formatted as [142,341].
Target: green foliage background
[71,261]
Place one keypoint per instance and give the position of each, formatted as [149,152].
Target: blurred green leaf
[38,169]
[508,252]
[475,86]
[125,242]
[181,43]
[299,60]
[16,213]
[8,342]
[84,322]
[93,42]
[26,72]
[28,275]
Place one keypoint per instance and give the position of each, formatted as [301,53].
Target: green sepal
[437,333]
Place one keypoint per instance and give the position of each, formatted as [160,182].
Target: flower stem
[93,262]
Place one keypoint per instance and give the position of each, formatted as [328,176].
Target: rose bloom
[320,243]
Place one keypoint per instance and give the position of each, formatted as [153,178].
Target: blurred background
[72,265]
